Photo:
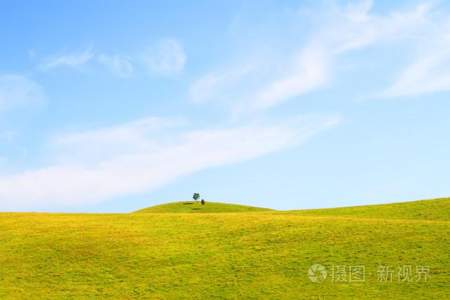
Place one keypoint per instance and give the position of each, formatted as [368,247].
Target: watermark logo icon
[317,273]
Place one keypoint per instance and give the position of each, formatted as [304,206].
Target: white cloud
[264,83]
[19,91]
[70,60]
[119,140]
[302,68]
[356,27]
[165,58]
[202,89]
[424,30]
[149,160]
[429,72]
[214,85]
[117,64]
[308,72]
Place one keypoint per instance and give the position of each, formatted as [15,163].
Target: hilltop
[197,207]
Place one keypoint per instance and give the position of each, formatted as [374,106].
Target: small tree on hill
[196,196]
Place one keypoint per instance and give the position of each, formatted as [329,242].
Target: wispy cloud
[70,60]
[429,72]
[309,71]
[216,85]
[424,34]
[117,64]
[19,91]
[308,66]
[167,57]
[148,161]
[261,83]
[356,26]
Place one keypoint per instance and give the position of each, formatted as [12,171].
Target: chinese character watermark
[341,273]
[405,273]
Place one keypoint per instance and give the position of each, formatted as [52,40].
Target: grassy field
[166,253]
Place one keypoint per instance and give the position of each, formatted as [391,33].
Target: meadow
[184,250]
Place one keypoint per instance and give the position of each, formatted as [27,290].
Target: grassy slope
[197,207]
[436,209]
[205,256]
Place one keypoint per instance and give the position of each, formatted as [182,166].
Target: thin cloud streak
[310,66]
[69,60]
[150,162]
[165,58]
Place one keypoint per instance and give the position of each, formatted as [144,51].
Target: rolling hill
[435,209]
[197,207]
[253,254]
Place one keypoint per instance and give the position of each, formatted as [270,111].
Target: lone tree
[196,196]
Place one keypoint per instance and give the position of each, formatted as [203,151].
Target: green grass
[435,209]
[197,207]
[237,255]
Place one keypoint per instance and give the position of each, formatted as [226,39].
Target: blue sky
[112,106]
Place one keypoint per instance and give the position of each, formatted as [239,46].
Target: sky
[111,106]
